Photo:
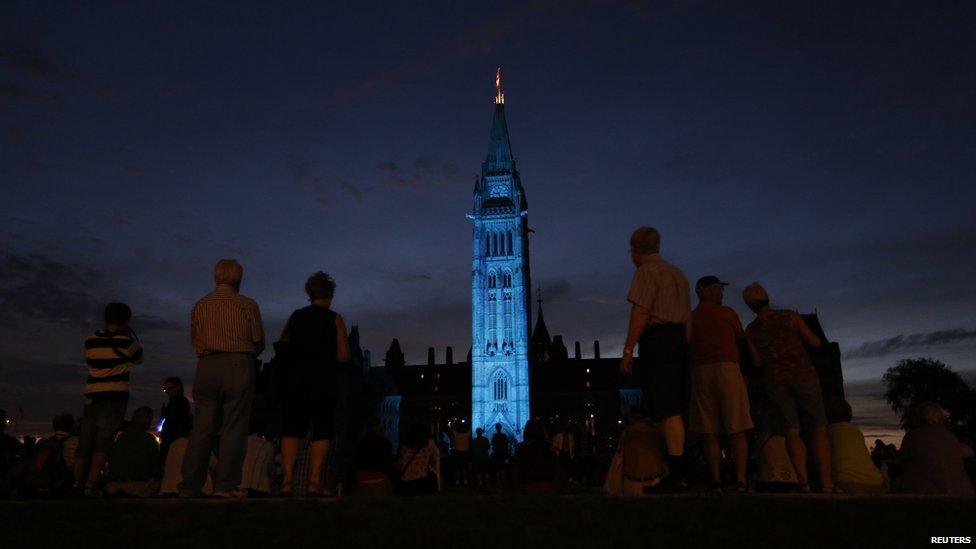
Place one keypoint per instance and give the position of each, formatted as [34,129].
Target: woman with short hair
[315,342]
[791,381]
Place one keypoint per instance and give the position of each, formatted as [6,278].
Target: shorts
[663,370]
[798,400]
[301,414]
[719,400]
[100,422]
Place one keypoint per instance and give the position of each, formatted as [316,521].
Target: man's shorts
[798,400]
[100,423]
[719,400]
[662,370]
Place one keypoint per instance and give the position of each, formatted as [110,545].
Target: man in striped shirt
[109,353]
[226,332]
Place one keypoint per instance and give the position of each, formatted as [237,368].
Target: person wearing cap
[719,400]
[790,380]
[659,316]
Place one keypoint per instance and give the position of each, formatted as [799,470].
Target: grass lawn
[465,521]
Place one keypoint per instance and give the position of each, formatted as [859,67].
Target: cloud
[33,287]
[329,190]
[12,91]
[22,63]
[326,190]
[423,170]
[553,289]
[38,289]
[884,347]
[28,61]
[509,29]
[151,323]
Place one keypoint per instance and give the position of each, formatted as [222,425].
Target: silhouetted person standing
[659,317]
[175,415]
[226,332]
[10,447]
[316,343]
[791,381]
[109,353]
[480,459]
[499,450]
[719,400]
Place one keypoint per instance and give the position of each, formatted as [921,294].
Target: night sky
[824,150]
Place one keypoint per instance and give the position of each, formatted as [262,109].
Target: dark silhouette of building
[588,392]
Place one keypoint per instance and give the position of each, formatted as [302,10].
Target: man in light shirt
[659,320]
[226,332]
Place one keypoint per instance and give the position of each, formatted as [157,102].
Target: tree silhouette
[918,380]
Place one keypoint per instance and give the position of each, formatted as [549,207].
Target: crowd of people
[689,367]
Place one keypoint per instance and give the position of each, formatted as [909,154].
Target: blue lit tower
[500,287]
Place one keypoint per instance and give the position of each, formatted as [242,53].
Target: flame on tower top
[499,96]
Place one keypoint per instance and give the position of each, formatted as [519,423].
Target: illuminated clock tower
[500,287]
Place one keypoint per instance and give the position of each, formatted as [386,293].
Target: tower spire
[499,157]
[499,96]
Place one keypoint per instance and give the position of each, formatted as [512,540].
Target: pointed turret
[541,332]
[500,158]
[541,342]
[394,355]
[354,346]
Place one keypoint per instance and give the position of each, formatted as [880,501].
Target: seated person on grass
[851,464]
[48,471]
[932,457]
[536,465]
[374,462]
[775,473]
[134,459]
[642,448]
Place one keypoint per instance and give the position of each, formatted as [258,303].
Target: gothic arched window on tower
[500,387]
[507,310]
[510,248]
[491,280]
[494,244]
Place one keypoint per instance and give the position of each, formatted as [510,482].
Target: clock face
[497,191]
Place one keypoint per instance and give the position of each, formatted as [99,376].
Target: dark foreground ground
[549,522]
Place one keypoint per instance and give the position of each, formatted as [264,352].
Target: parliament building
[512,373]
